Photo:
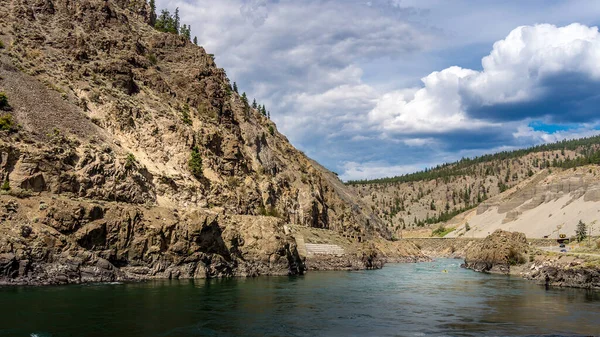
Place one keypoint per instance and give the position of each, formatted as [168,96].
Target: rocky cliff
[125,153]
[498,252]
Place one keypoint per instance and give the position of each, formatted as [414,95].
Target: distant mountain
[438,194]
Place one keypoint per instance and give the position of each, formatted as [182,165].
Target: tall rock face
[112,115]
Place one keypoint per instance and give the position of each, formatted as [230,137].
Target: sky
[387,87]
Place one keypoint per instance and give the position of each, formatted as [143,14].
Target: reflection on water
[400,300]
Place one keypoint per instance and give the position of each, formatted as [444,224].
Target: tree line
[170,23]
[587,147]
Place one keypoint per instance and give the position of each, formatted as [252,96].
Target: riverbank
[510,253]
[49,240]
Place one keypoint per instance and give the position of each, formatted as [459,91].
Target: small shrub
[152,58]
[1,44]
[467,227]
[304,179]
[233,182]
[271,211]
[515,257]
[3,101]
[6,122]
[195,163]
[271,130]
[185,115]
[5,186]
[26,231]
[441,231]
[130,161]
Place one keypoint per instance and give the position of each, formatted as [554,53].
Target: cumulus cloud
[536,71]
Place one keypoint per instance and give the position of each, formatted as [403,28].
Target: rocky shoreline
[53,240]
[509,253]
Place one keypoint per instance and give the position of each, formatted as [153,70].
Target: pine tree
[196,40]
[186,31]
[254,106]
[195,163]
[235,88]
[246,106]
[581,231]
[165,22]
[176,20]
[152,13]
[263,111]
[269,114]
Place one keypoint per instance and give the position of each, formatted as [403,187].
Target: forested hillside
[438,194]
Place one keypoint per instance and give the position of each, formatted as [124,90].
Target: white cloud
[377,169]
[420,141]
[529,135]
[255,11]
[529,54]
[513,72]
[435,108]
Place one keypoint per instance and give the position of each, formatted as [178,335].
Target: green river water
[399,300]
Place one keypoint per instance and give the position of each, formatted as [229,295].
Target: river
[399,300]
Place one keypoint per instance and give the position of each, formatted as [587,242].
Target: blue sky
[386,87]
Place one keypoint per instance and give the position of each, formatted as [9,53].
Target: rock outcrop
[73,241]
[497,253]
[563,271]
[96,173]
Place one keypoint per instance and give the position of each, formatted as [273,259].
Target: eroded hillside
[413,205]
[547,205]
[125,151]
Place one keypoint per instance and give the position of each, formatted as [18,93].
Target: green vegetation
[152,4]
[515,258]
[235,88]
[3,101]
[130,161]
[152,58]
[195,163]
[185,114]
[5,186]
[168,23]
[270,211]
[186,31]
[442,231]
[581,231]
[271,130]
[442,217]
[1,44]
[588,148]
[6,122]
